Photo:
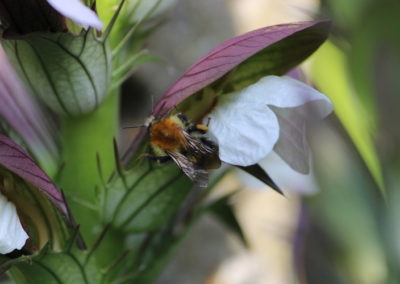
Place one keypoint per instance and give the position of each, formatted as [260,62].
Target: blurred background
[340,224]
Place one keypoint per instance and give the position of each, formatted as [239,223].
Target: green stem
[83,139]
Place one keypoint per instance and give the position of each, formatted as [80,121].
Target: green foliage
[52,267]
[145,197]
[346,207]
[360,74]
[335,83]
[131,219]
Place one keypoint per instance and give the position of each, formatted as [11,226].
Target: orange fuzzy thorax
[167,134]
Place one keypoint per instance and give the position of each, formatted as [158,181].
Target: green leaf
[374,63]
[126,70]
[145,198]
[62,267]
[160,246]
[157,248]
[156,252]
[330,74]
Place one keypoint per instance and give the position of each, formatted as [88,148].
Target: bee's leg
[208,121]
[197,129]
[159,159]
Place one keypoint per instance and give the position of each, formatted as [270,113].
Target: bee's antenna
[135,126]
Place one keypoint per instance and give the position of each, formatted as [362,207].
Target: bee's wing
[205,154]
[198,175]
[197,146]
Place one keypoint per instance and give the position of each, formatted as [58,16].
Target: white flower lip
[78,12]
[250,123]
[12,235]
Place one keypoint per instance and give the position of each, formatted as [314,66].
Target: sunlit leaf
[329,71]
[347,209]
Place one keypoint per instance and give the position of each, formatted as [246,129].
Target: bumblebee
[176,138]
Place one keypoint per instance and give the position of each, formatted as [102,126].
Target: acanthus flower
[268,115]
[249,111]
[30,204]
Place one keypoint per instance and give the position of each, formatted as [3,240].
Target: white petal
[78,12]
[289,180]
[292,144]
[245,132]
[12,235]
[245,129]
[285,92]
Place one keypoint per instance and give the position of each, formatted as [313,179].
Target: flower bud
[69,73]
